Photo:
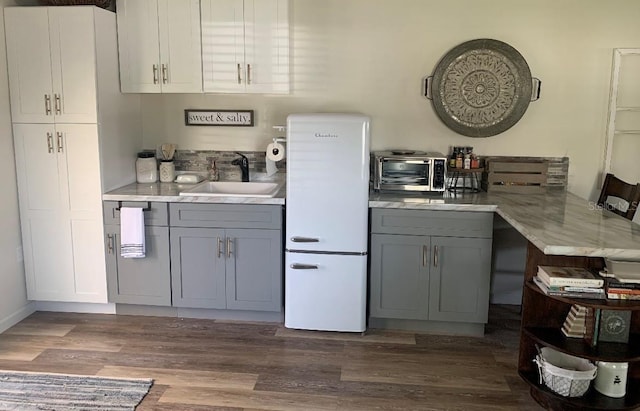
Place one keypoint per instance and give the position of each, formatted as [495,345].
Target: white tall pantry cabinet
[75,137]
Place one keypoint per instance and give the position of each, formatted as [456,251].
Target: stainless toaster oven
[408,171]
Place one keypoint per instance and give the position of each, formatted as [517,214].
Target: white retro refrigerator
[326,222]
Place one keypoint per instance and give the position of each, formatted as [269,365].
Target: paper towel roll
[275,152]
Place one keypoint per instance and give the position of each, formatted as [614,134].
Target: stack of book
[622,290]
[574,326]
[572,282]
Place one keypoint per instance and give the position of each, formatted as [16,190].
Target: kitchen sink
[233,188]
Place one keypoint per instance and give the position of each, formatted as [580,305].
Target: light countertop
[557,222]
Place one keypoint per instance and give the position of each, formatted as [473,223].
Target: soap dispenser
[213,170]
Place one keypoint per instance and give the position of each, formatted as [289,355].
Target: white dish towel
[132,232]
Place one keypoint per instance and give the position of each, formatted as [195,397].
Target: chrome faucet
[243,162]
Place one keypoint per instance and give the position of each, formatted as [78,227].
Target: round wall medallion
[481,88]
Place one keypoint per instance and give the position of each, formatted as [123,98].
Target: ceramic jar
[167,171]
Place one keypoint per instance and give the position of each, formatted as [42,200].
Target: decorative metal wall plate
[481,88]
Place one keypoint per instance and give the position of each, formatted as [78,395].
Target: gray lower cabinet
[145,280]
[430,265]
[227,264]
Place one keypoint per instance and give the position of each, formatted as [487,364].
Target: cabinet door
[180,49]
[223,46]
[29,64]
[460,279]
[46,238]
[145,281]
[399,276]
[73,64]
[254,269]
[138,46]
[78,150]
[197,267]
[37,167]
[266,46]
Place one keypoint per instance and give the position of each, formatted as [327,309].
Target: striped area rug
[27,391]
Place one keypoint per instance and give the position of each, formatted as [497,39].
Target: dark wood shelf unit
[592,400]
[542,319]
[603,351]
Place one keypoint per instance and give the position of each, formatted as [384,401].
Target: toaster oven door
[405,174]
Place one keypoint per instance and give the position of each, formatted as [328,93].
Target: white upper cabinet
[52,67]
[245,46]
[159,46]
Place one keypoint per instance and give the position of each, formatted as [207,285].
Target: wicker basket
[565,374]
[100,3]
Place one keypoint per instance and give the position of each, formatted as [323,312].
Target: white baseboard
[17,316]
[88,308]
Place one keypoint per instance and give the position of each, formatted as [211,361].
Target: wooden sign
[229,118]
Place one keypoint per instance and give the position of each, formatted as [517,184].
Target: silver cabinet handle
[435,255]
[229,243]
[164,74]
[305,240]
[59,141]
[239,76]
[110,243]
[219,247]
[57,105]
[47,104]
[248,73]
[49,143]
[155,74]
[424,255]
[297,266]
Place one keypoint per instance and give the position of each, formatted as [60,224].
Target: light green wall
[371,55]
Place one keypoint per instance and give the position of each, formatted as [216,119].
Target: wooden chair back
[615,187]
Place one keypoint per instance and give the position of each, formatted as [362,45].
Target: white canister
[167,171]
[146,167]
[611,379]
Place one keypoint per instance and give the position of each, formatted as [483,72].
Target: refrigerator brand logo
[326,135]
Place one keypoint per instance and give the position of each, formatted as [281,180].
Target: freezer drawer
[325,292]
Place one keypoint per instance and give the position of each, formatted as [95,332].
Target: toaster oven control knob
[438,175]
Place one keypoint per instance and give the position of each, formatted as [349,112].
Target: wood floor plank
[186,378]
[373,336]
[69,342]
[249,399]
[54,330]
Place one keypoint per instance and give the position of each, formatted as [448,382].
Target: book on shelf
[617,296]
[592,325]
[569,276]
[613,283]
[622,291]
[595,293]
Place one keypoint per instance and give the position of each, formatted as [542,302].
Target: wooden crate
[524,176]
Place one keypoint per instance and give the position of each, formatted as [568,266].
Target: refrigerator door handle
[297,266]
[305,240]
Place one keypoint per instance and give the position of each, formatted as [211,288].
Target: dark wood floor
[216,365]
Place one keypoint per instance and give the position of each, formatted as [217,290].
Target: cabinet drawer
[157,216]
[428,222]
[226,215]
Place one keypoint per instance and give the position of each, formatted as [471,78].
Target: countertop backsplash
[199,162]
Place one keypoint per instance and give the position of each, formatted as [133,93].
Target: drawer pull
[110,243]
[297,266]
[305,240]
[435,256]
[424,255]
